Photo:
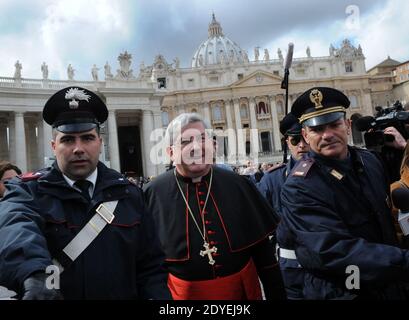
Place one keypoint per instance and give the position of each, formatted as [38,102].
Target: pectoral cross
[208,251]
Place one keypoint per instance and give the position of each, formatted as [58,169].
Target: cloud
[66,31]
[84,32]
[385,33]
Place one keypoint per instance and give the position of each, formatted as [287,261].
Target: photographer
[399,142]
[386,134]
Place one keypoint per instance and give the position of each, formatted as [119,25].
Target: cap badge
[316,98]
[75,94]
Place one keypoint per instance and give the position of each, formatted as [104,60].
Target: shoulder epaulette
[277,166]
[30,176]
[302,167]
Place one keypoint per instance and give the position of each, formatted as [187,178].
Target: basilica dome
[218,49]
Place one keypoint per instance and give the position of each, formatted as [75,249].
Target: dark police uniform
[270,186]
[41,213]
[338,215]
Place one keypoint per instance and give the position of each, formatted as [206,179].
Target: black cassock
[238,221]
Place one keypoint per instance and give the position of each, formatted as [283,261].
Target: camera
[376,140]
[393,116]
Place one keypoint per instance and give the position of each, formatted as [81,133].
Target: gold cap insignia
[316,98]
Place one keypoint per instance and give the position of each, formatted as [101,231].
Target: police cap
[74,109]
[290,126]
[320,105]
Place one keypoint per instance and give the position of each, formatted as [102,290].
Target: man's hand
[399,142]
[35,289]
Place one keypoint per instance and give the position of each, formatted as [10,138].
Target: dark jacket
[270,186]
[40,216]
[338,214]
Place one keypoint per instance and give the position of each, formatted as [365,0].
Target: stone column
[231,133]
[4,150]
[275,122]
[147,128]
[240,133]
[46,142]
[253,116]
[32,149]
[254,136]
[206,113]
[161,158]
[12,139]
[366,101]
[113,141]
[20,134]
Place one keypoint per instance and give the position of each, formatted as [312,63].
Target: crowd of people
[203,230]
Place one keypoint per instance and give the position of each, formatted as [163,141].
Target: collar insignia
[337,174]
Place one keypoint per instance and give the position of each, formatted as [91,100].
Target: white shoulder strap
[105,215]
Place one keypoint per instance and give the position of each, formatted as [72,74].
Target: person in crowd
[335,205]
[214,225]
[85,221]
[7,172]
[270,186]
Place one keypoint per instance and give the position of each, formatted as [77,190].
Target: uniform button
[126,191]
[201,203]
[210,232]
[212,243]
[201,193]
[208,222]
[218,266]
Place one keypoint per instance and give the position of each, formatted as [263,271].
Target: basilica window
[247,148]
[348,67]
[357,136]
[276,72]
[262,108]
[265,141]
[323,71]
[161,83]
[244,112]
[300,72]
[354,101]
[239,76]
[191,82]
[280,107]
[217,113]
[165,118]
[214,79]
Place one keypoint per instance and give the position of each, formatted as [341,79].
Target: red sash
[243,285]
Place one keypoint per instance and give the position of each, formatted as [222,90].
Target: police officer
[335,204]
[81,218]
[270,186]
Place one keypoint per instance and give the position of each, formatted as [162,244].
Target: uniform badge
[302,168]
[316,98]
[75,94]
[336,174]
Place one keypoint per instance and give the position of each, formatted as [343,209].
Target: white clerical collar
[91,178]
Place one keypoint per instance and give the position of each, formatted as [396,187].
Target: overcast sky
[87,32]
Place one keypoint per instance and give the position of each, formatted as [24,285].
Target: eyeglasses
[295,140]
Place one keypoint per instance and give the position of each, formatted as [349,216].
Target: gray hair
[176,125]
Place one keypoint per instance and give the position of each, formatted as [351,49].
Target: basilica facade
[241,99]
